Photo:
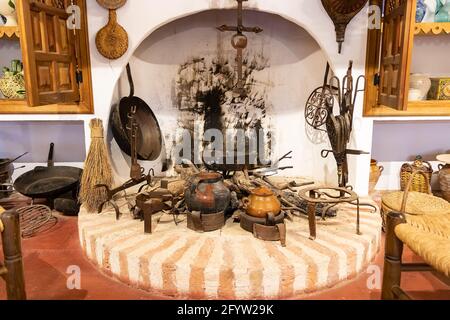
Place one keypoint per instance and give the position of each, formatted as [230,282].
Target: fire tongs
[136,172]
[339,127]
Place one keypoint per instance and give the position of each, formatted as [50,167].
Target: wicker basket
[444,181]
[420,183]
[12,87]
[413,202]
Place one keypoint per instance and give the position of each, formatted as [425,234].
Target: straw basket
[420,183]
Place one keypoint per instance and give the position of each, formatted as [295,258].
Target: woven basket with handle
[444,181]
[420,183]
[413,202]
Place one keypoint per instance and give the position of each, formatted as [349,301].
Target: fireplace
[191,90]
[185,69]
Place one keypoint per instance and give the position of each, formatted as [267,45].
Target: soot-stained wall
[182,67]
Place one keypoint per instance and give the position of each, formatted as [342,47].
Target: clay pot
[261,203]
[207,193]
[420,82]
[375,174]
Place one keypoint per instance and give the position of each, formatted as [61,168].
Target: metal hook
[338,86]
[363,78]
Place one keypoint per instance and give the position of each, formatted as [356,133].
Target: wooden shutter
[395,53]
[49,53]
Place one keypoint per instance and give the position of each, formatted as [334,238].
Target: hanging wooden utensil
[342,12]
[112,40]
[111,4]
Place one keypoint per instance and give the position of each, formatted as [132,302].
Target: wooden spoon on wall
[112,39]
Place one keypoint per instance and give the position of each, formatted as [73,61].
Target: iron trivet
[267,229]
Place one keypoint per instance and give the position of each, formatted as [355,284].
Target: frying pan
[149,137]
[48,182]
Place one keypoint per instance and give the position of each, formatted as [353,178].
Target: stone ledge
[230,264]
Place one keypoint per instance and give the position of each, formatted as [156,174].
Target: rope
[97,132]
[2,227]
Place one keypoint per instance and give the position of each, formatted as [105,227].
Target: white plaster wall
[291,53]
[142,17]
[430,55]
[395,143]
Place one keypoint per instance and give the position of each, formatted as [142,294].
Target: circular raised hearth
[231,264]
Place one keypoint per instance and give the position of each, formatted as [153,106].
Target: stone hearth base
[230,264]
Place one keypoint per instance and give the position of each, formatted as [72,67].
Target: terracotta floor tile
[47,257]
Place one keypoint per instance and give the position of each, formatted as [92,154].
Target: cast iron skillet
[149,139]
[48,182]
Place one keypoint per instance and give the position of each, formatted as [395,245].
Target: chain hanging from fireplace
[239,42]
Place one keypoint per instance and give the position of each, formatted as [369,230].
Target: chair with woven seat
[413,203]
[12,269]
[420,221]
[428,236]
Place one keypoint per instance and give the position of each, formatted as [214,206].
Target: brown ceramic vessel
[261,203]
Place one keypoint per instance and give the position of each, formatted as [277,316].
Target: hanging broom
[97,170]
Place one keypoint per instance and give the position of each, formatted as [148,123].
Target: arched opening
[185,71]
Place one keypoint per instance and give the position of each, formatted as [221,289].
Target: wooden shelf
[429,108]
[10,106]
[421,29]
[9,32]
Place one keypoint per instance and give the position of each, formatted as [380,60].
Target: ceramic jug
[207,193]
[261,203]
[8,10]
[375,174]
[420,82]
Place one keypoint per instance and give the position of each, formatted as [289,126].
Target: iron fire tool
[315,196]
[136,172]
[239,42]
[319,114]
[157,200]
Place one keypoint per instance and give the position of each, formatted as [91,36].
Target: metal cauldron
[207,193]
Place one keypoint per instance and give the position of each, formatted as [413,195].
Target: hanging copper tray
[342,12]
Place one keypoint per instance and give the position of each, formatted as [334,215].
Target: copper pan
[149,137]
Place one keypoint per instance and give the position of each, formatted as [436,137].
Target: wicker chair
[420,221]
[412,203]
[12,270]
[427,236]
